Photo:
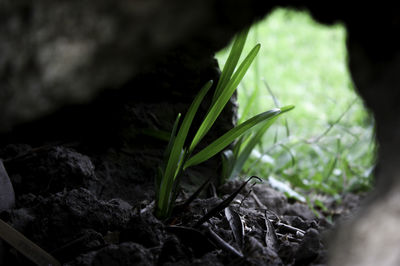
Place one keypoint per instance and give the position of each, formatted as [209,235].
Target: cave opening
[326,144]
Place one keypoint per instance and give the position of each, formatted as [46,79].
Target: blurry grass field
[329,146]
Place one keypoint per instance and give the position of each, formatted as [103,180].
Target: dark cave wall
[65,52]
[101,145]
[82,79]
[61,53]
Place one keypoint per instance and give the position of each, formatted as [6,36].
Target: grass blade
[167,153]
[238,144]
[336,121]
[230,136]
[244,155]
[246,151]
[274,98]
[278,105]
[231,62]
[172,138]
[176,152]
[249,106]
[221,101]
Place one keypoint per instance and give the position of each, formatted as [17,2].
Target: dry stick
[271,240]
[289,228]
[26,247]
[258,201]
[236,225]
[223,244]
[247,195]
[225,203]
[288,237]
[196,193]
[278,105]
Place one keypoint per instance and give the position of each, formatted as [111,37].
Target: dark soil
[67,204]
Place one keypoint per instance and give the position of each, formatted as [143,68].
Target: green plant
[178,157]
[234,160]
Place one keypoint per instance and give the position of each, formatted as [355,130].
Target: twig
[196,193]
[289,228]
[26,247]
[222,243]
[288,237]
[258,202]
[225,203]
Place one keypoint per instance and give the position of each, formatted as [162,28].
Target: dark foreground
[79,226]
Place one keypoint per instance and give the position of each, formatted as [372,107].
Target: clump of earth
[67,203]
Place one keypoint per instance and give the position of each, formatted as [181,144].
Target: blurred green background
[326,144]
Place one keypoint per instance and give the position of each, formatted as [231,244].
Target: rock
[51,171]
[143,229]
[258,254]
[300,209]
[86,240]
[371,236]
[309,248]
[271,198]
[48,63]
[208,259]
[172,251]
[76,217]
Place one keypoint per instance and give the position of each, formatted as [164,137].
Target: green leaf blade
[230,136]
[245,153]
[160,178]
[176,155]
[221,101]
[231,62]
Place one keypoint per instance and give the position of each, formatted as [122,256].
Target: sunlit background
[325,145]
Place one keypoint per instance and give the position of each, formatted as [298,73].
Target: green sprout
[178,157]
